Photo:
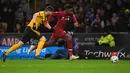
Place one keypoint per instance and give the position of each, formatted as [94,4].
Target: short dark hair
[68,6]
[50,8]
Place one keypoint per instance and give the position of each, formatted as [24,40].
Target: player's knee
[43,38]
[20,43]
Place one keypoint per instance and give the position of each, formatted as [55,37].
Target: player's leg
[32,47]
[68,38]
[40,45]
[44,44]
[26,37]
[13,48]
[52,39]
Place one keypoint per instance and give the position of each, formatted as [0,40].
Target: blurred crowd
[94,16]
[15,14]
[101,15]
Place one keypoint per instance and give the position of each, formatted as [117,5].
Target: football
[114,59]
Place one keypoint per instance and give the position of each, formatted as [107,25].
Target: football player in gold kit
[31,31]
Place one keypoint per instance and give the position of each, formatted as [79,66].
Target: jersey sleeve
[56,13]
[74,19]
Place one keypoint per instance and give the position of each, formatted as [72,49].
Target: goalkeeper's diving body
[60,32]
[32,31]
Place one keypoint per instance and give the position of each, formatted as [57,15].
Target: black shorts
[28,34]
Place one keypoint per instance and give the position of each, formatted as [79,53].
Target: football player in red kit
[62,23]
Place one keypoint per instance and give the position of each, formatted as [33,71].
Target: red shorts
[59,33]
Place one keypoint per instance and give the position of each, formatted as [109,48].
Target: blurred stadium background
[17,13]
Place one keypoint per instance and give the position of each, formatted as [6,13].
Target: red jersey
[63,19]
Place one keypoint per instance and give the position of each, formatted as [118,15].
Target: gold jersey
[39,20]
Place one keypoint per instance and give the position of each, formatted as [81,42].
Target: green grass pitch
[64,66]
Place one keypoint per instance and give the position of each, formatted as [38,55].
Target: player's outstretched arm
[47,25]
[56,13]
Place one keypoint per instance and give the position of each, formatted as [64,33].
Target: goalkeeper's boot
[4,56]
[73,57]
[31,49]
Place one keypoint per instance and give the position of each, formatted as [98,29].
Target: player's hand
[76,25]
[70,32]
